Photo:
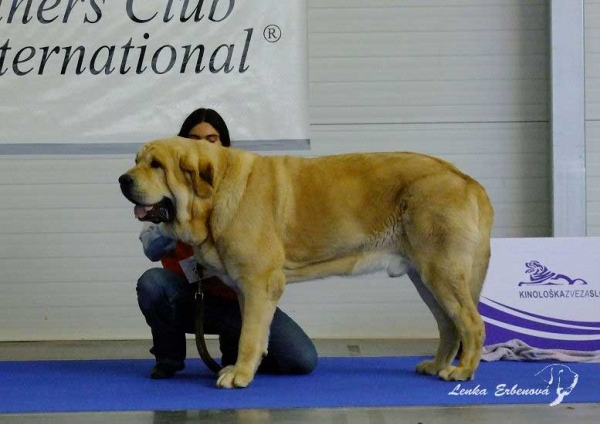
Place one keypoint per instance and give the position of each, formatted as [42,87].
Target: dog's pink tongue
[140,211]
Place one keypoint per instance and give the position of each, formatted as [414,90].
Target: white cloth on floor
[517,350]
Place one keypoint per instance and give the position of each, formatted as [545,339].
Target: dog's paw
[230,377]
[225,370]
[428,367]
[452,373]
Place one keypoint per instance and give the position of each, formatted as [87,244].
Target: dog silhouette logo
[539,275]
[560,379]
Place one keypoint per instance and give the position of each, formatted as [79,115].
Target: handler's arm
[155,243]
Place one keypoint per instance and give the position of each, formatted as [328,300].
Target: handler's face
[205,131]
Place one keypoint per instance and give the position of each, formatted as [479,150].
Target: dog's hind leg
[450,286]
[446,236]
[449,339]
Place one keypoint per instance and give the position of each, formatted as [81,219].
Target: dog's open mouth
[163,211]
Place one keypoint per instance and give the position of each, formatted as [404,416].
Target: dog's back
[353,204]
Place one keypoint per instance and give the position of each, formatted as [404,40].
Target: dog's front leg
[259,302]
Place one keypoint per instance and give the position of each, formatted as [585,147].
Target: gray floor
[564,413]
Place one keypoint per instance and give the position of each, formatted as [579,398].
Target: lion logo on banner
[541,275]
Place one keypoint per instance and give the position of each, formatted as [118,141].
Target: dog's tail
[485,220]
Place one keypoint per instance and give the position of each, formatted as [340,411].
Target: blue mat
[124,385]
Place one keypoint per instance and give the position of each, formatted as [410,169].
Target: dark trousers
[167,301]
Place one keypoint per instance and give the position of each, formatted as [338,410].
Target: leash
[199,327]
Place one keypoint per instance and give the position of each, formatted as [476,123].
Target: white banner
[126,71]
[543,291]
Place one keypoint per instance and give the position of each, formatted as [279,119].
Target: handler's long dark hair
[209,116]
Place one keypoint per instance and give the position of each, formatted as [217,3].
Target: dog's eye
[155,164]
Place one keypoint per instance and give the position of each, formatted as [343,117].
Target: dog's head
[172,183]
[562,378]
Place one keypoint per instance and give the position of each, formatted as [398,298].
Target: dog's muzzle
[163,211]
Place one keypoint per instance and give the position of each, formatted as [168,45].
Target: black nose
[125,180]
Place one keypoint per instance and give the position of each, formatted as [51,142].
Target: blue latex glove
[156,244]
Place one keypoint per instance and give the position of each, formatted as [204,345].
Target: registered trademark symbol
[272,33]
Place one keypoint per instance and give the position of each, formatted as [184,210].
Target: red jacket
[211,285]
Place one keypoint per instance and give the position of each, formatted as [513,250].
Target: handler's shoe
[162,371]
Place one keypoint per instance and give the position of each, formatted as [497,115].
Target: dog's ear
[206,172]
[546,374]
[200,173]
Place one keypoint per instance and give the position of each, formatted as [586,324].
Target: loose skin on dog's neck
[229,191]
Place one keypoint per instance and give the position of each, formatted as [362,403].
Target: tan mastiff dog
[259,222]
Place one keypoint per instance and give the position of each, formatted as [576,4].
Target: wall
[592,115]
[466,80]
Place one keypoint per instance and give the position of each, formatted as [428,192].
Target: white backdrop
[116,71]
